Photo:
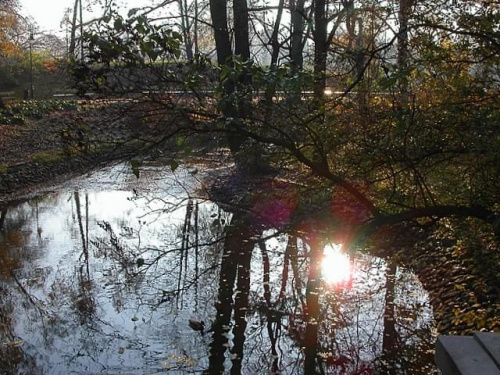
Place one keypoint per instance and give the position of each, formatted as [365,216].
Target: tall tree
[225,57]
[9,27]
[186,26]
[388,166]
[218,11]
[72,38]
[297,42]
[320,48]
[403,52]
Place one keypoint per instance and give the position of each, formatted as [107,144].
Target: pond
[110,274]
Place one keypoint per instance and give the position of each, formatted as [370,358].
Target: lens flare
[336,266]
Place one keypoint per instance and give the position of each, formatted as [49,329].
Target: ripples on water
[102,274]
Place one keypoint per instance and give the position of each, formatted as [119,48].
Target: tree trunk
[224,56]
[195,27]
[403,54]
[72,40]
[271,89]
[320,50]
[297,35]
[241,40]
[186,29]
[274,37]
[81,31]
[221,32]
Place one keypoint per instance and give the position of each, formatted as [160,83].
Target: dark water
[103,274]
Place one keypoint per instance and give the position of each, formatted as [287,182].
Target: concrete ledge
[469,355]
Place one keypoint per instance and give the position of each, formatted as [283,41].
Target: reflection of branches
[3,215]
[390,336]
[266,267]
[223,305]
[177,262]
[168,206]
[241,306]
[312,310]
[235,267]
[33,300]
[284,273]
[84,301]
[294,257]
[196,249]
[273,316]
[10,351]
[117,249]
[186,231]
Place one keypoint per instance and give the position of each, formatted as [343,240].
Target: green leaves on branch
[134,164]
[389,81]
[173,165]
[283,78]
[134,41]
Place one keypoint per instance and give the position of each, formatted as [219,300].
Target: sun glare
[336,266]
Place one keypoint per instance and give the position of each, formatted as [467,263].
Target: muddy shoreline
[65,144]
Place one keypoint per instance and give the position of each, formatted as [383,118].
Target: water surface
[102,275]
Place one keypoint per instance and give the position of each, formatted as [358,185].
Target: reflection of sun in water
[336,266]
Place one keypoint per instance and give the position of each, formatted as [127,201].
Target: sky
[49,13]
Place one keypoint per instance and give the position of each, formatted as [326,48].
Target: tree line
[410,133]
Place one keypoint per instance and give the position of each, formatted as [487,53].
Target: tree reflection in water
[114,291]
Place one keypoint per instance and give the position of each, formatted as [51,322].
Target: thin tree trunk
[271,89]
[320,50]
[81,31]
[72,40]
[297,35]
[186,29]
[403,54]
[80,223]
[196,15]
[274,37]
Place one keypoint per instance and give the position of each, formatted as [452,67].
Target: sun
[336,266]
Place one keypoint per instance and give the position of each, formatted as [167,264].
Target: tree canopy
[392,108]
[9,27]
